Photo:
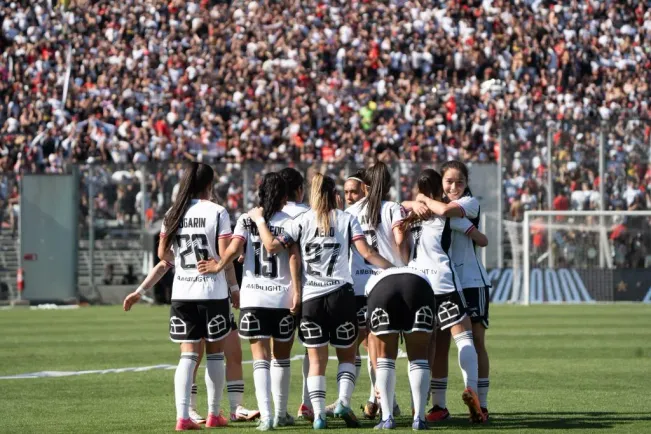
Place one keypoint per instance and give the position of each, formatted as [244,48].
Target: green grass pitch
[553,369]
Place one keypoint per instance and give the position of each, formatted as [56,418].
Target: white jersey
[375,279]
[325,255]
[266,280]
[463,253]
[431,240]
[380,238]
[294,209]
[196,238]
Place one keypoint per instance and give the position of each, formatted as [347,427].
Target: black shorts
[191,321]
[265,323]
[452,309]
[478,300]
[360,307]
[331,318]
[401,303]
[233,322]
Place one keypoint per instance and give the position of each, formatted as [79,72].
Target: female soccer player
[328,315]
[269,298]
[379,219]
[430,253]
[196,229]
[474,281]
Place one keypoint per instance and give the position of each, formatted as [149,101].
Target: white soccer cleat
[244,415]
[196,417]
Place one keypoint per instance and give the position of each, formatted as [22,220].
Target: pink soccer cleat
[216,421]
[186,425]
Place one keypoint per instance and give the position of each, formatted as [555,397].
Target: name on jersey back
[193,222]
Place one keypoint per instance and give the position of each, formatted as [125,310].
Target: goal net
[578,256]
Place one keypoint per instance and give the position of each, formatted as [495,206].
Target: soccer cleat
[196,417]
[472,401]
[347,415]
[215,421]
[484,410]
[437,414]
[390,423]
[244,415]
[370,410]
[286,420]
[320,422]
[419,425]
[330,409]
[305,412]
[186,425]
[265,425]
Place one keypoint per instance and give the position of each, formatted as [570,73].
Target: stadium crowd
[331,81]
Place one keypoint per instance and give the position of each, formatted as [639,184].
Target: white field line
[54,374]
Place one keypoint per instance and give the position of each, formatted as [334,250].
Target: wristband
[260,220]
[234,288]
[141,290]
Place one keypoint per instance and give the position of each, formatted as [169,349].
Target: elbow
[483,243]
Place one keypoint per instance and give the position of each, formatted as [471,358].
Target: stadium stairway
[8,260]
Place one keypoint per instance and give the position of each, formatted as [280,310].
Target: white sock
[385,381]
[467,359]
[306,392]
[358,366]
[215,371]
[346,382]
[419,381]
[280,375]
[235,390]
[317,387]
[193,397]
[262,382]
[371,376]
[183,384]
[482,391]
[439,388]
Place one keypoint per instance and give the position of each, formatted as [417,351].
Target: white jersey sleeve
[224,224]
[469,206]
[461,224]
[242,227]
[470,270]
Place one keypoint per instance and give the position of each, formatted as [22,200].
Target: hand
[422,198]
[235,299]
[340,204]
[131,299]
[421,210]
[209,266]
[296,303]
[256,213]
[241,259]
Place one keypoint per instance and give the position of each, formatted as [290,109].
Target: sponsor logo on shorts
[249,323]
[345,331]
[177,326]
[448,311]
[217,325]
[424,317]
[286,325]
[311,330]
[379,318]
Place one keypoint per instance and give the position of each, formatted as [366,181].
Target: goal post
[576,256]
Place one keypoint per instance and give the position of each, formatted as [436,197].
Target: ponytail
[323,199]
[196,179]
[430,184]
[272,194]
[379,179]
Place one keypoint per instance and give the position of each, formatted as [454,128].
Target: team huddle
[362,276]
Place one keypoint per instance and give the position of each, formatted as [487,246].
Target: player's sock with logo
[419,381]
[262,382]
[346,382]
[235,390]
[317,389]
[467,359]
[482,386]
[371,376]
[215,371]
[439,388]
[280,376]
[193,397]
[358,365]
[306,391]
[183,384]
[385,381]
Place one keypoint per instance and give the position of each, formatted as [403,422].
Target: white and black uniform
[265,296]
[381,239]
[294,209]
[200,305]
[431,240]
[400,300]
[472,274]
[328,312]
